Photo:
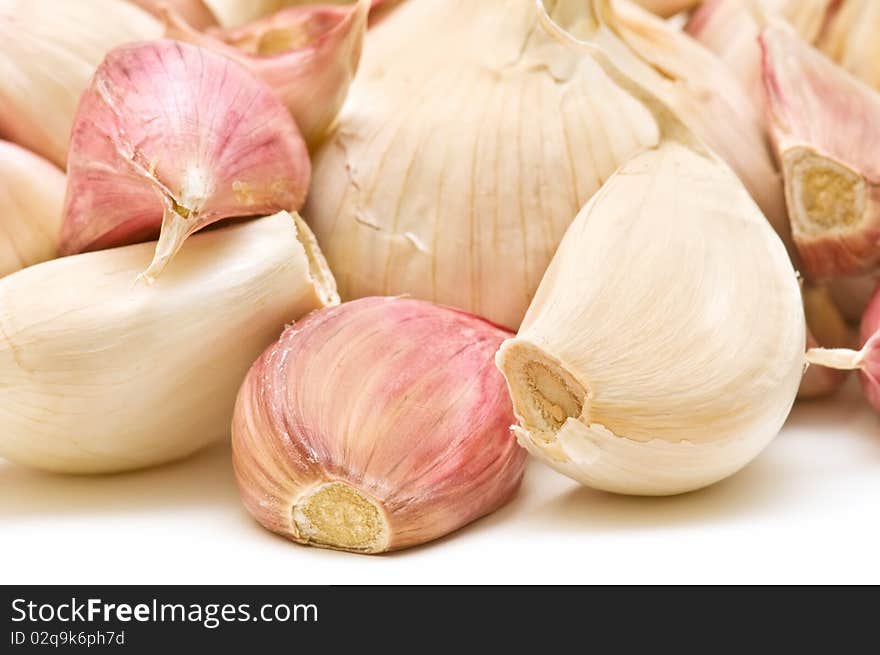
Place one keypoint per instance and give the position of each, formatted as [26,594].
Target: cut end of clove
[826,195]
[336,515]
[544,394]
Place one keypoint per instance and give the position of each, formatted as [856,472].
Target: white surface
[808,510]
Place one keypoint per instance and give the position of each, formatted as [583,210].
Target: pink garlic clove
[308,55]
[825,126]
[376,425]
[176,137]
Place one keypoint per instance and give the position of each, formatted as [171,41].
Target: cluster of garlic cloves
[376,425]
[169,138]
[48,52]
[308,55]
[31,197]
[823,123]
[116,376]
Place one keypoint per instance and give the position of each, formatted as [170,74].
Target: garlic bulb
[308,55]
[665,345]
[824,125]
[48,52]
[866,360]
[827,327]
[376,425]
[468,141]
[194,12]
[100,375]
[172,135]
[31,194]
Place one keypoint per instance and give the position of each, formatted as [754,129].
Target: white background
[807,510]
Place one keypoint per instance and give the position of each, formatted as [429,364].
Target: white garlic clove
[376,425]
[48,52]
[824,127]
[31,197]
[174,136]
[667,8]
[850,39]
[100,375]
[194,12]
[308,55]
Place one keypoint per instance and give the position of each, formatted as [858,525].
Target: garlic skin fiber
[376,425]
[824,125]
[48,52]
[31,196]
[469,140]
[308,55]
[100,375]
[665,346]
[174,136]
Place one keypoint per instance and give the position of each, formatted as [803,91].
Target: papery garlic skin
[469,140]
[824,127]
[376,425]
[307,55]
[826,327]
[665,346]
[31,196]
[48,52]
[194,12]
[174,136]
[100,375]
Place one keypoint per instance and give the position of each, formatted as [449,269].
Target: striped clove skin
[866,360]
[31,197]
[376,425]
[169,138]
[308,55]
[825,126]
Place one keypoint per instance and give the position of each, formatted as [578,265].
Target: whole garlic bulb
[100,375]
[48,52]
[31,196]
[376,425]
[468,141]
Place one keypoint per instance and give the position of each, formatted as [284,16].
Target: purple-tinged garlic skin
[308,55]
[825,126]
[172,136]
[376,425]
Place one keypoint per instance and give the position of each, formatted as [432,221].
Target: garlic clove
[826,326]
[194,12]
[376,425]
[31,196]
[850,39]
[48,52]
[468,141]
[160,139]
[667,8]
[823,124]
[100,375]
[852,295]
[308,55]
[235,13]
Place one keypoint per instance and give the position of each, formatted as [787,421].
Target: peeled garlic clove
[643,365]
[194,12]
[31,195]
[172,135]
[826,326]
[308,55]
[115,376]
[468,141]
[376,425]
[701,90]
[824,125]
[48,52]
